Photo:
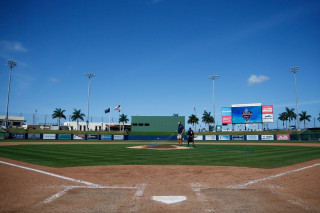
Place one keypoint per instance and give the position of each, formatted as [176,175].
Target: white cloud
[54,80]
[12,46]
[254,79]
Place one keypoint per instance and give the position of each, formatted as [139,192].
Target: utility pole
[89,76]
[213,77]
[12,65]
[294,70]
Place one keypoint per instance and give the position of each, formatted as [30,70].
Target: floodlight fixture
[213,77]
[294,70]
[11,64]
[89,75]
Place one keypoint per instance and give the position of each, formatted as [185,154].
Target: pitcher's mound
[159,146]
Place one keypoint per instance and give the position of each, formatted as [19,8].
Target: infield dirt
[207,189]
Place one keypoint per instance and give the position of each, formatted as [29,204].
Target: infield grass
[73,155]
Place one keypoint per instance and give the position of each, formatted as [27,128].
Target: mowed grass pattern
[72,155]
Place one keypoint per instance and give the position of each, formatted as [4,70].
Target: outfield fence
[79,137]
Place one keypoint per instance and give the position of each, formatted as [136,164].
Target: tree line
[77,115]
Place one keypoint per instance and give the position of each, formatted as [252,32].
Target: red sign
[227,119]
[267,109]
[283,137]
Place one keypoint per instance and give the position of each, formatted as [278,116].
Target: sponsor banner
[227,119]
[118,137]
[226,115]
[49,136]
[248,114]
[246,105]
[79,137]
[267,114]
[210,137]
[238,137]
[106,137]
[267,118]
[283,137]
[252,137]
[267,137]
[18,136]
[226,111]
[64,136]
[33,136]
[198,137]
[92,137]
[224,137]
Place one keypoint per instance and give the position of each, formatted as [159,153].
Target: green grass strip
[73,155]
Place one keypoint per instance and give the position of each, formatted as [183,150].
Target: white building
[98,126]
[14,121]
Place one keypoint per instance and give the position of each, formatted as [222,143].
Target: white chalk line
[242,185]
[53,175]
[139,192]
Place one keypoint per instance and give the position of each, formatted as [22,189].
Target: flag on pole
[117,108]
[194,107]
[107,111]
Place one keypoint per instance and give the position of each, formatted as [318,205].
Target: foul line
[139,192]
[54,175]
[270,177]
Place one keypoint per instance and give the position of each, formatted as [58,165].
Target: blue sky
[154,56]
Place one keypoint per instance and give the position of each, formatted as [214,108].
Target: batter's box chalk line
[88,185]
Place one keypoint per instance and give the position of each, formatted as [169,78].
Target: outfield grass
[72,155]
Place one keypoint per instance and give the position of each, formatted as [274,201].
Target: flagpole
[109,120]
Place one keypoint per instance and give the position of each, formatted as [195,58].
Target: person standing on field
[180,133]
[191,137]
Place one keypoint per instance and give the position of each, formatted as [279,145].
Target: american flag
[117,108]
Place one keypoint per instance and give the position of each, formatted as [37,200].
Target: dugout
[156,123]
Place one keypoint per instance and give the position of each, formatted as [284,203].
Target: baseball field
[128,177]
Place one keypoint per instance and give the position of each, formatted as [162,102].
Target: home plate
[169,199]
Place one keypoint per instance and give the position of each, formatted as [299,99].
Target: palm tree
[58,113]
[76,115]
[175,114]
[207,118]
[291,115]
[283,117]
[123,118]
[193,120]
[304,117]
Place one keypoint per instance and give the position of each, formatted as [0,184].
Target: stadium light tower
[213,77]
[89,76]
[294,70]
[12,65]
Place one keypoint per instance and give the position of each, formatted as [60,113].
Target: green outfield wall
[156,123]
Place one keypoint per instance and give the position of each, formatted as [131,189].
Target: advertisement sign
[118,137]
[247,114]
[224,137]
[283,137]
[226,115]
[33,136]
[267,114]
[210,138]
[198,137]
[18,136]
[79,137]
[64,136]
[267,137]
[49,136]
[252,137]
[238,137]
[106,137]
[93,137]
